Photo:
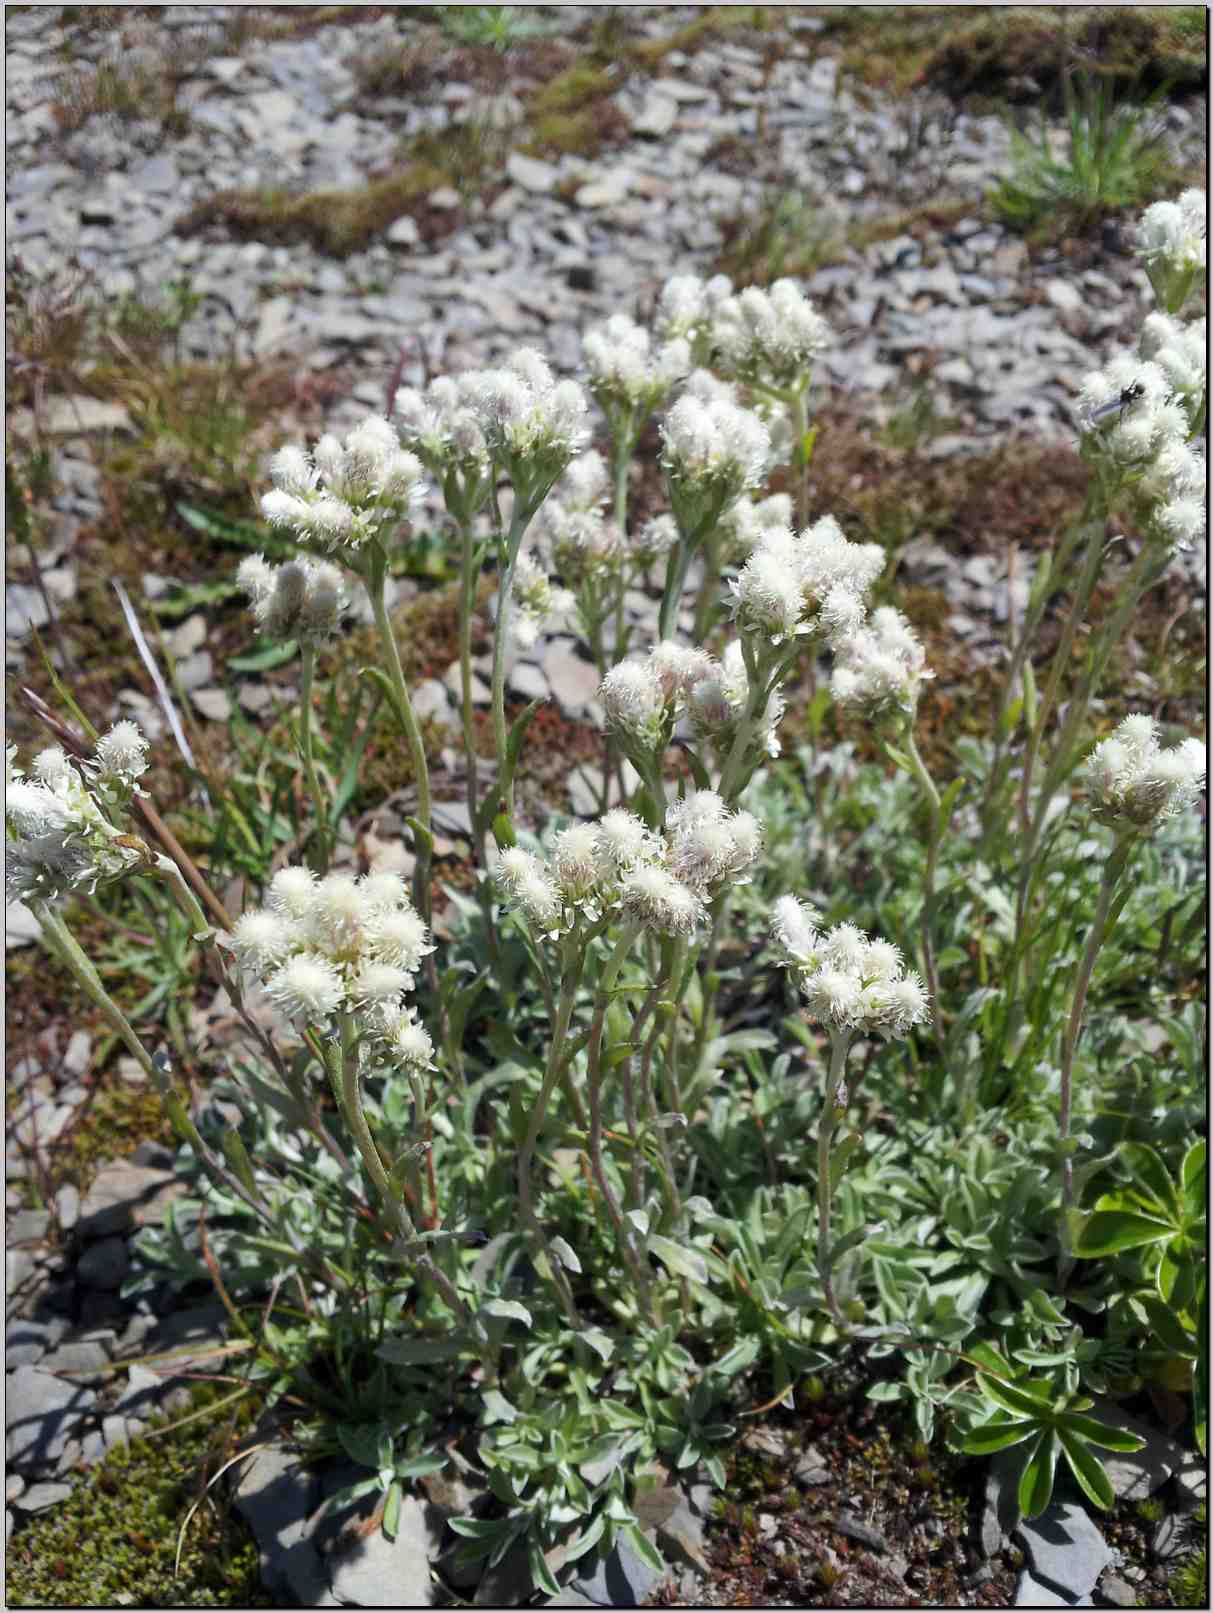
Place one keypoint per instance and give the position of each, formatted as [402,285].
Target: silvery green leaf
[509,1310]
[599,1342]
[498,1407]
[566,1255]
[683,1262]
[640,1221]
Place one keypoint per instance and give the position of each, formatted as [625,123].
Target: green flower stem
[519,522]
[1113,870]
[606,985]
[90,981]
[467,594]
[323,828]
[705,604]
[839,1046]
[935,831]
[1045,587]
[764,671]
[570,980]
[376,578]
[1148,567]
[675,578]
[799,404]
[342,1059]
[664,1162]
[622,446]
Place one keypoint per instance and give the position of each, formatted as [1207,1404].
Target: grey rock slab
[1118,1592]
[657,116]
[40,1496]
[79,1050]
[573,680]
[680,1536]
[1031,1593]
[104,1264]
[67,1206]
[27,1226]
[1065,1548]
[119,1198]
[531,173]
[40,1413]
[1191,1484]
[528,680]
[620,1579]
[83,1360]
[213,704]
[142,1394]
[1134,1475]
[14,1484]
[1169,1538]
[276,1496]
[378,1572]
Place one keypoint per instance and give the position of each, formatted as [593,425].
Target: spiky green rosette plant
[547,1184]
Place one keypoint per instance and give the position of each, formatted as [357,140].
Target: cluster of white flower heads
[1174,234]
[1134,784]
[687,306]
[345,491]
[442,425]
[853,985]
[769,338]
[341,944]
[583,545]
[645,696]
[302,599]
[539,605]
[745,523]
[715,446]
[533,424]
[661,882]
[626,371]
[63,824]
[880,669]
[815,583]
[1143,412]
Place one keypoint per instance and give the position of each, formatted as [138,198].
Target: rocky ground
[135,142]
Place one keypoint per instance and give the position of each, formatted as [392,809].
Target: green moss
[115,1538]
[334,221]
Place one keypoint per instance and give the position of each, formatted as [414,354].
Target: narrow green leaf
[991,1437]
[1016,1399]
[1097,1433]
[1036,1483]
[643,1547]
[391,1510]
[541,1575]
[566,1255]
[1087,1469]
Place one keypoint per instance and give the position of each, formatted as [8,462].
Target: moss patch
[114,1539]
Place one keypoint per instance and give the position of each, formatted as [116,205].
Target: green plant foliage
[1114,159]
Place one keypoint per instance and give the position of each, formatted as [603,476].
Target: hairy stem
[934,835]
[839,1044]
[1113,870]
[308,665]
[376,580]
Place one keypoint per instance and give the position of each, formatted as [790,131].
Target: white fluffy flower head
[853,985]
[769,337]
[1134,784]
